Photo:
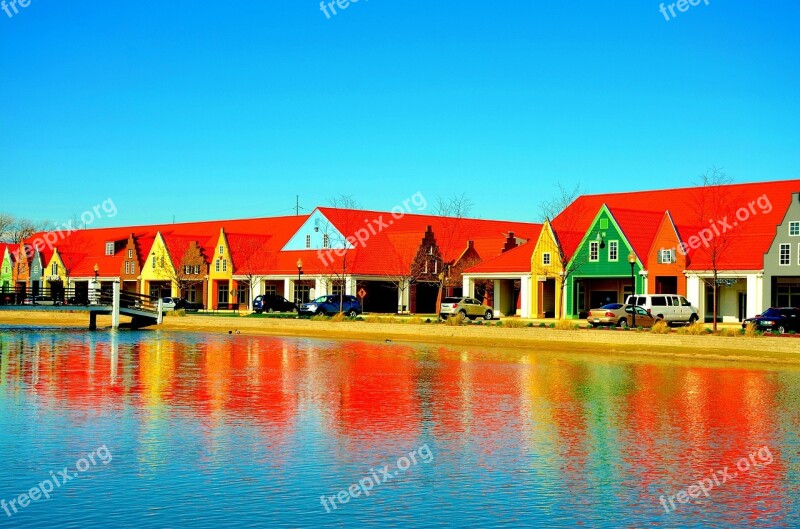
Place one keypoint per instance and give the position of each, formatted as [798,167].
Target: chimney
[511,242]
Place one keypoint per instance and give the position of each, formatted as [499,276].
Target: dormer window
[110,248]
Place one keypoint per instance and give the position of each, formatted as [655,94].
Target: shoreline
[598,342]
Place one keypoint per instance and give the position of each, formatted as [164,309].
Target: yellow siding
[220,269]
[163,270]
[547,243]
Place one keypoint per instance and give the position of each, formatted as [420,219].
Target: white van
[669,307]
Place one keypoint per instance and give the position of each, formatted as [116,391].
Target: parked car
[188,306]
[329,305]
[621,316]
[467,307]
[273,303]
[668,307]
[780,319]
[610,314]
[40,300]
[169,303]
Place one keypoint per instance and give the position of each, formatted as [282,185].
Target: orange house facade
[666,261]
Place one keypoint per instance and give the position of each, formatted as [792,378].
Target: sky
[191,110]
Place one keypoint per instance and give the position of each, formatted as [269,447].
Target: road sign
[362,293]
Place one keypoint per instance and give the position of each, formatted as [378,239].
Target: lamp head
[631,258]
[299,263]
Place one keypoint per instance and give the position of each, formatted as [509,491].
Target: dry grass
[751,331]
[660,327]
[564,325]
[320,317]
[695,329]
[180,313]
[338,317]
[730,332]
[454,321]
[513,323]
[372,318]
[414,320]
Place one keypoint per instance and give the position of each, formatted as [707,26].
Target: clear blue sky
[229,109]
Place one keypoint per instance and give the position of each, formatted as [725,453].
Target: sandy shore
[773,350]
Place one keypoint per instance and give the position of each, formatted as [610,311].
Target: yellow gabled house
[56,271]
[547,274]
[221,287]
[158,272]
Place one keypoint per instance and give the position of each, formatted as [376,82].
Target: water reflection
[269,424]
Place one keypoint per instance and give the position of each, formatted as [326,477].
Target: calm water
[203,431]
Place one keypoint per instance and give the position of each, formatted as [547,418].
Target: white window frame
[224,265]
[308,241]
[546,259]
[788,247]
[130,253]
[127,267]
[326,240]
[110,248]
[794,224]
[221,249]
[594,249]
[615,245]
[196,270]
[216,265]
[54,269]
[798,254]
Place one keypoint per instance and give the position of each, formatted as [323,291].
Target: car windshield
[321,299]
[611,306]
[772,313]
[451,300]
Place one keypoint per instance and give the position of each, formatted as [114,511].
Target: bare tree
[550,209]
[564,213]
[715,204]
[185,272]
[349,220]
[6,222]
[451,233]
[251,259]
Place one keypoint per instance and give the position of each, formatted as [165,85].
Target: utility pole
[297,205]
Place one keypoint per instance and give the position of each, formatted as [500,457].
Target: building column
[525,296]
[497,297]
[468,287]
[755,295]
[288,289]
[695,293]
[403,297]
[645,282]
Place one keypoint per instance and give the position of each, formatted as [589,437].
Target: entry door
[743,306]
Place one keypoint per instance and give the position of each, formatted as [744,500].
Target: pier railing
[66,297]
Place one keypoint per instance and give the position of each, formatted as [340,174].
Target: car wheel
[693,319]
[781,330]
[623,323]
[463,314]
[352,313]
[489,315]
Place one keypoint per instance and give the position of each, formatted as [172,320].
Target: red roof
[515,260]
[754,235]
[640,228]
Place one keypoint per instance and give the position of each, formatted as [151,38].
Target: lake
[162,429]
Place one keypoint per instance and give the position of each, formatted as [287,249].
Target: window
[221,249]
[54,269]
[154,262]
[130,254]
[162,261]
[546,259]
[127,267]
[794,228]
[224,265]
[798,254]
[270,290]
[308,241]
[785,255]
[216,265]
[187,269]
[109,248]
[603,224]
[594,251]
[197,269]
[326,241]
[613,251]
[35,269]
[666,256]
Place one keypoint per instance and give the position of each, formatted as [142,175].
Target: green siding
[602,268]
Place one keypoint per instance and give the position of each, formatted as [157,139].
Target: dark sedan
[272,303]
[776,319]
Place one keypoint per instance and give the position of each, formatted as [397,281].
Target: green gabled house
[599,269]
[6,271]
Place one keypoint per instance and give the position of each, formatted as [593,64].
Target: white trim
[597,259]
[616,243]
[796,222]
[780,254]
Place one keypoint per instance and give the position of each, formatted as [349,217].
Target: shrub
[320,317]
[338,317]
[513,323]
[563,325]
[542,325]
[428,320]
[530,324]
[695,329]
[660,327]
[730,332]
[372,318]
[415,320]
[552,325]
[454,321]
[180,313]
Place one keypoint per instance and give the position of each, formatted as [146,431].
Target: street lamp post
[632,261]
[297,288]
